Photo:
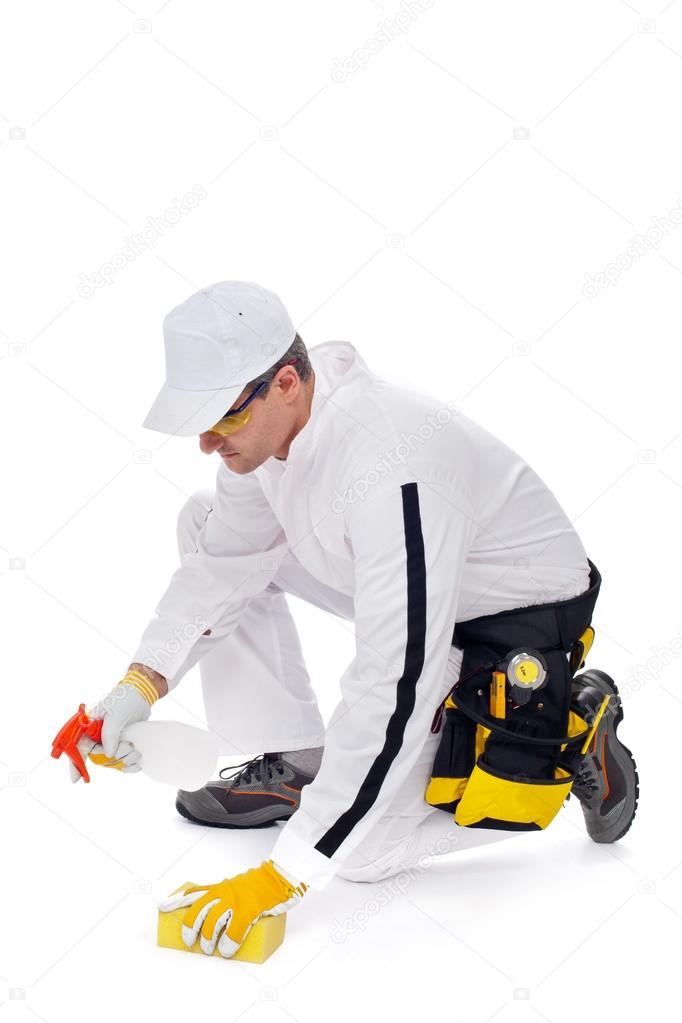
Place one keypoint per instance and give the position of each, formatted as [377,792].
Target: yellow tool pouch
[510,738]
[495,799]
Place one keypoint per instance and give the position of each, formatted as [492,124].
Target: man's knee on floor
[191,518]
[368,872]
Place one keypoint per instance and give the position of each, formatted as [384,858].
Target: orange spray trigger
[67,738]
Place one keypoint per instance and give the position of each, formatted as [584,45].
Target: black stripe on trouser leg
[407,683]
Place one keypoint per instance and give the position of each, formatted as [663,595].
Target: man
[388,509]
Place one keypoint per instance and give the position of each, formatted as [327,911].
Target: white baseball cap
[216,342]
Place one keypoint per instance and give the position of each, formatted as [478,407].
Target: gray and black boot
[257,793]
[606,780]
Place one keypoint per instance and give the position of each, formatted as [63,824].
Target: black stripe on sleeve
[407,683]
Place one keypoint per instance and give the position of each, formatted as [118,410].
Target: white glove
[129,701]
[126,758]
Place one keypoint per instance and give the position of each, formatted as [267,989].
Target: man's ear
[287,383]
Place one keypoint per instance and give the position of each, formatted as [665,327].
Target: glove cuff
[299,888]
[143,685]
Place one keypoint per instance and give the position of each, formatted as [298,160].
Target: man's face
[266,433]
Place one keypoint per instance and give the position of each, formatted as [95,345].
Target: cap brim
[187,413]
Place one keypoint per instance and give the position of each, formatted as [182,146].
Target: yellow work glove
[225,912]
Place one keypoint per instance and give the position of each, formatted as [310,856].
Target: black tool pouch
[512,770]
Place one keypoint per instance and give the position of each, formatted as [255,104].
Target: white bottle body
[174,753]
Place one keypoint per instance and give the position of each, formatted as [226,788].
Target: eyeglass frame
[260,386]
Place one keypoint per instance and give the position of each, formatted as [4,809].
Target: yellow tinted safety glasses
[238,417]
[231,423]
[234,419]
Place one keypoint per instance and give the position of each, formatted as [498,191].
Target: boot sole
[623,756]
[259,819]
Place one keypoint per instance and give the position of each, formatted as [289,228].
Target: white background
[437,196]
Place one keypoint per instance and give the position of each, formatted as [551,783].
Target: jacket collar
[337,365]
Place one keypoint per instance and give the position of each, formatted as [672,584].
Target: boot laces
[585,784]
[260,768]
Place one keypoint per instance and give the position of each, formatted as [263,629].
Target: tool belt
[511,740]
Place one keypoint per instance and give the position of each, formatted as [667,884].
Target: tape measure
[526,671]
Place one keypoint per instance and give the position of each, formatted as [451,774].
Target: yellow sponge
[264,937]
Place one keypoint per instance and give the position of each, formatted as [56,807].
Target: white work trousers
[258,698]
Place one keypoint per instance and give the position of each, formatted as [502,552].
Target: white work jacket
[424,518]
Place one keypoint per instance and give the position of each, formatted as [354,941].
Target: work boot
[257,793]
[606,780]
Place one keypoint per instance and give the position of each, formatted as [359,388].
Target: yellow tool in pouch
[498,695]
[511,740]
